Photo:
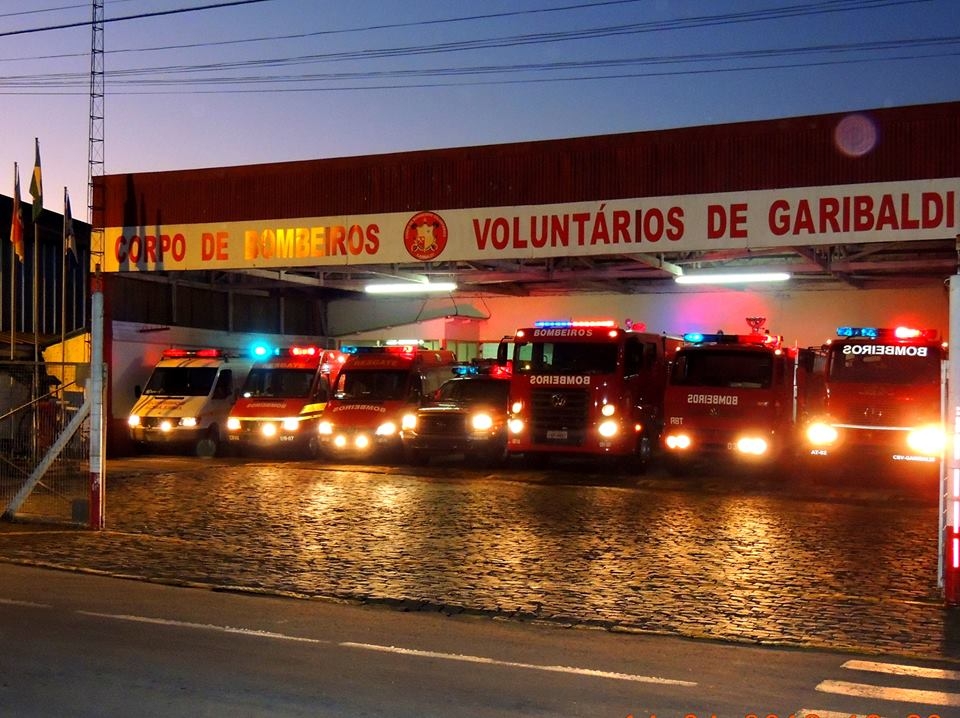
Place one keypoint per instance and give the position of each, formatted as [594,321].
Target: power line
[139,16]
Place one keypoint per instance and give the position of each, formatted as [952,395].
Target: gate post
[97,474]
[950,479]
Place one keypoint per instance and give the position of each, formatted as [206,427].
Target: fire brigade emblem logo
[558,400]
[425,236]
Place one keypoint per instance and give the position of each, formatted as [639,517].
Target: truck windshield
[884,368]
[565,358]
[181,381]
[732,369]
[373,385]
[278,383]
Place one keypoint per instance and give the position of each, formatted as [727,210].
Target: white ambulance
[186,402]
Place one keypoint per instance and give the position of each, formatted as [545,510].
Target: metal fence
[44,443]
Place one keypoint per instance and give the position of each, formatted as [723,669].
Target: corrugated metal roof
[716,158]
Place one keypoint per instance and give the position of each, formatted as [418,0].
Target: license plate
[557,434]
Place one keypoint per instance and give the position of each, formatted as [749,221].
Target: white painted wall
[804,317]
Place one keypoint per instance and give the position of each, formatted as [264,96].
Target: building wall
[807,318]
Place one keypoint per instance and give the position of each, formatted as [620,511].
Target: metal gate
[44,443]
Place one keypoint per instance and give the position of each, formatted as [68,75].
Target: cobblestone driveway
[721,558]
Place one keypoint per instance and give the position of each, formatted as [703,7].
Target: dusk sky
[282,80]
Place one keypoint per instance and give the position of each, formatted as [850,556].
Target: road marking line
[531,666]
[904,695]
[393,649]
[32,604]
[805,712]
[902,670]
[203,626]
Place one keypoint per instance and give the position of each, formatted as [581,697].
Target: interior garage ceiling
[886,265]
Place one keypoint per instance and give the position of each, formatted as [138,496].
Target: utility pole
[95,205]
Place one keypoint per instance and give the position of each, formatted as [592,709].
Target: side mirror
[137,391]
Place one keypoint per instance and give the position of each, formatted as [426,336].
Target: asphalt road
[82,645]
[841,564]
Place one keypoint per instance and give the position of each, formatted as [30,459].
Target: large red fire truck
[734,396]
[280,404]
[881,396]
[586,388]
[376,387]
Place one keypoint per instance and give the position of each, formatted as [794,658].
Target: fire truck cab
[734,396]
[880,396]
[187,399]
[281,402]
[376,387]
[586,388]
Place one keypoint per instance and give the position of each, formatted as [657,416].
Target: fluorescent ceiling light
[730,278]
[409,287]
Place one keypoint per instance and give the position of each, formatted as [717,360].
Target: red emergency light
[774,341]
[888,333]
[307,351]
[571,323]
[199,353]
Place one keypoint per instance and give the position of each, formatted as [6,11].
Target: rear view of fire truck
[280,404]
[587,389]
[735,397]
[881,396]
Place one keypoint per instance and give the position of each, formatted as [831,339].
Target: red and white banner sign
[845,214]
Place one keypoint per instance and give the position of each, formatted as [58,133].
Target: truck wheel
[676,466]
[312,448]
[416,457]
[644,453]
[209,445]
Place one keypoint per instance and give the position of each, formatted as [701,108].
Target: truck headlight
[325,428]
[133,420]
[481,421]
[291,424]
[408,422]
[754,445]
[515,426]
[608,410]
[166,425]
[928,440]
[233,423]
[677,441]
[820,433]
[608,428]
[189,421]
[268,429]
[387,428]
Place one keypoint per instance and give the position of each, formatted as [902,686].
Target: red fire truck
[376,387]
[736,397]
[880,397]
[280,404]
[586,388]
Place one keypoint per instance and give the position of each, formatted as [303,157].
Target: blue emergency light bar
[887,333]
[867,332]
[773,340]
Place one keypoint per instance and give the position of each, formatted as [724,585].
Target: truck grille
[559,416]
[441,424]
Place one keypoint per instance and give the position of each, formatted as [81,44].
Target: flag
[69,237]
[16,225]
[36,186]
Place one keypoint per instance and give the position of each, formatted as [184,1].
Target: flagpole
[36,191]
[63,297]
[13,271]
